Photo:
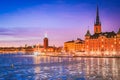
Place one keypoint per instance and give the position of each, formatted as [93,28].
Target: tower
[87,35]
[45,42]
[97,24]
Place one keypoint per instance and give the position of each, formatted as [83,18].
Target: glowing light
[36,53]
[46,34]
[102,40]
[87,46]
[114,52]
[112,46]
[102,46]
[98,52]
[107,52]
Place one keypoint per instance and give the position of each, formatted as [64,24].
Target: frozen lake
[27,67]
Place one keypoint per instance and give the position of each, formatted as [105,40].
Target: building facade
[74,45]
[102,41]
[106,42]
[45,47]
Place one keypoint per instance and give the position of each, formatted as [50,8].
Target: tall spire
[97,17]
[97,24]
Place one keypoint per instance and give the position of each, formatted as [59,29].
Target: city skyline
[27,22]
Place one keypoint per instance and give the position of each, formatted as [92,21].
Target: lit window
[87,46]
[102,46]
[112,46]
[102,40]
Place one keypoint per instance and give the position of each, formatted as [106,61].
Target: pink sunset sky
[63,20]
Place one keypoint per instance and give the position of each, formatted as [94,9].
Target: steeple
[88,33]
[97,24]
[97,17]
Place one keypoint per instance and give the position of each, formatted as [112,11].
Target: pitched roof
[96,35]
[79,41]
[70,41]
[106,34]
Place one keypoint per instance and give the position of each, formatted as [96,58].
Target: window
[96,29]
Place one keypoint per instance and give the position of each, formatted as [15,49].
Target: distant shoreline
[62,56]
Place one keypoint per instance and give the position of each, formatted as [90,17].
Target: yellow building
[72,46]
[69,46]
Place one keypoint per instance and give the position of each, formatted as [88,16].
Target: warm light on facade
[106,42]
[112,46]
[102,46]
[102,40]
[87,46]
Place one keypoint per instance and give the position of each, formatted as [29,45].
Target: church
[98,42]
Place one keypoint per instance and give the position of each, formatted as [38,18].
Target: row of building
[97,42]
[45,47]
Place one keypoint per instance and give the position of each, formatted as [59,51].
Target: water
[27,67]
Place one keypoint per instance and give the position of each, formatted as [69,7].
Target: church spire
[97,24]
[97,17]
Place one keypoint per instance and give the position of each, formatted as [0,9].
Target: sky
[26,21]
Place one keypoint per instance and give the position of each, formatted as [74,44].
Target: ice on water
[25,67]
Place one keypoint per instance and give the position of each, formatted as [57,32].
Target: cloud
[6,31]
[20,32]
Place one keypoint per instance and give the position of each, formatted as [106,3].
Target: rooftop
[106,34]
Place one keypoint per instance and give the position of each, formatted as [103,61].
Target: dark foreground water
[26,67]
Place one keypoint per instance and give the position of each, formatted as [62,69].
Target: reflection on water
[28,67]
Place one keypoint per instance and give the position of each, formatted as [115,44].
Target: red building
[45,43]
[106,42]
[99,43]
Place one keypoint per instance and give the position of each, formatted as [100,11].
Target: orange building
[102,41]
